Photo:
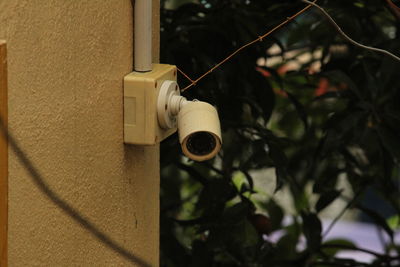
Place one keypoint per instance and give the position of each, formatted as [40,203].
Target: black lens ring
[201,143]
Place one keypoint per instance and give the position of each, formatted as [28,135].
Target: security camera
[199,130]
[198,123]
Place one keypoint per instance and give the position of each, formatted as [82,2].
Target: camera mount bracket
[168,104]
[141,94]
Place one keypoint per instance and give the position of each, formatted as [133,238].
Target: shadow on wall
[63,205]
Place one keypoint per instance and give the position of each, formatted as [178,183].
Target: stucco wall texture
[66,64]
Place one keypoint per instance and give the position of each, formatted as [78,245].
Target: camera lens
[201,143]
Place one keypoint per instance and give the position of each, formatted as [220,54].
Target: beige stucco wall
[67,60]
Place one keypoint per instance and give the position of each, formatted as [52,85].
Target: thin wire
[184,74]
[63,205]
[259,39]
[289,19]
[345,36]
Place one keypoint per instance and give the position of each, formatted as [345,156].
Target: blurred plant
[325,110]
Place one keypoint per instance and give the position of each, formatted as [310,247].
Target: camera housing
[199,130]
[198,123]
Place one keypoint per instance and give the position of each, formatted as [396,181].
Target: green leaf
[326,199]
[214,196]
[333,246]
[301,111]
[248,235]
[281,178]
[263,95]
[394,222]
[276,214]
[326,181]
[280,161]
[286,247]
[237,212]
[312,228]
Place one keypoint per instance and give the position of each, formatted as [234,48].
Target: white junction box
[141,91]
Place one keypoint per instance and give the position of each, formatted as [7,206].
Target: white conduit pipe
[143,35]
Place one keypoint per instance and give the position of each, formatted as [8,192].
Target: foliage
[311,125]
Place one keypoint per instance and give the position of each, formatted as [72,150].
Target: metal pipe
[143,35]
